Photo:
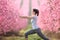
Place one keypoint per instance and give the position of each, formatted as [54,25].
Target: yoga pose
[35,28]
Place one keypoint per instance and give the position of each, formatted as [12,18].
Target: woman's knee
[26,35]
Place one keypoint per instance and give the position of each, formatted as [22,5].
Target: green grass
[30,37]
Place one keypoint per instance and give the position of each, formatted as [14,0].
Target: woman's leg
[41,34]
[28,33]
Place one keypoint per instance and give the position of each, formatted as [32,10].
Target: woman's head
[36,12]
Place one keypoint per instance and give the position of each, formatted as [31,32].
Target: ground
[31,37]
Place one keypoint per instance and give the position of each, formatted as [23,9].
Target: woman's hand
[20,16]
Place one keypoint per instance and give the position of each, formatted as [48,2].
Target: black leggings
[38,31]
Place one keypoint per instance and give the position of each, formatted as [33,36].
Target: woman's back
[34,22]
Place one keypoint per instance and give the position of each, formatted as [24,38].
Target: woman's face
[33,13]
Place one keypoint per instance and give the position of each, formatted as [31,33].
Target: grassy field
[30,37]
[22,32]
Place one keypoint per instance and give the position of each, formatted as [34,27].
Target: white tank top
[34,22]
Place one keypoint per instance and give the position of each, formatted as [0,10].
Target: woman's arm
[28,17]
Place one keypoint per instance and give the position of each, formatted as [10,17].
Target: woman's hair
[36,12]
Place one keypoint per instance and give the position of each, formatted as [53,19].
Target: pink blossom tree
[9,16]
[49,18]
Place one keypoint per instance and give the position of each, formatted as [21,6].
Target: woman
[35,28]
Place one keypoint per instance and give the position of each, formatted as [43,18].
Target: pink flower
[9,16]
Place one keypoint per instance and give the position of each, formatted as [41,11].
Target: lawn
[22,32]
[30,37]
